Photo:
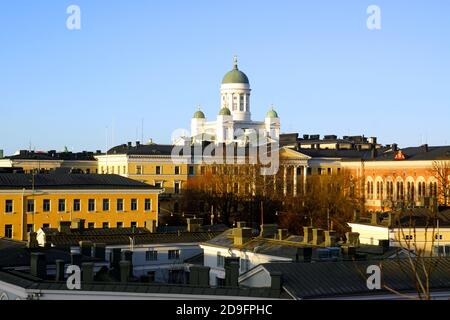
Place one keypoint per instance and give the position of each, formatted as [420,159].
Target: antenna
[142,131]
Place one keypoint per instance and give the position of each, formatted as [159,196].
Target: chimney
[194,225]
[199,276]
[307,235]
[100,251]
[330,238]
[116,256]
[303,254]
[129,144]
[276,281]
[385,244]
[78,224]
[138,144]
[268,230]
[127,255]
[318,237]
[241,236]
[151,225]
[394,147]
[32,240]
[75,259]
[352,238]
[231,271]
[241,224]
[88,272]
[60,270]
[282,234]
[125,270]
[64,227]
[375,219]
[86,248]
[424,148]
[349,252]
[38,267]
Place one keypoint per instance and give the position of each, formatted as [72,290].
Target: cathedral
[233,123]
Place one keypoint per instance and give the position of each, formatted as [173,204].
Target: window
[177,187]
[118,170]
[158,184]
[308,171]
[105,204]
[220,260]
[9,206]
[119,204]
[329,171]
[158,170]
[76,205]
[91,225]
[441,251]
[105,225]
[409,237]
[151,255]
[148,205]
[134,204]
[139,170]
[61,205]
[30,228]
[174,254]
[30,205]
[8,231]
[45,225]
[241,102]
[46,205]
[177,170]
[133,224]
[124,170]
[191,170]
[438,237]
[91,205]
[202,170]
[119,225]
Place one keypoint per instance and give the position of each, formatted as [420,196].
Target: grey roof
[419,153]
[348,278]
[16,254]
[143,149]
[53,155]
[418,217]
[69,181]
[28,282]
[121,236]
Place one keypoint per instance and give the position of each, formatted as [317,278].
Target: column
[285,181]
[305,172]
[295,180]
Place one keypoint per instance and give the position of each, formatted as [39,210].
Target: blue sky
[156,60]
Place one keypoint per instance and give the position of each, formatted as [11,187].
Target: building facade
[29,202]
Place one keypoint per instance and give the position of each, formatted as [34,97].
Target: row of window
[76,206]
[400,189]
[152,255]
[91,225]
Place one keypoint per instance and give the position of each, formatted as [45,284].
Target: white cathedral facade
[234,123]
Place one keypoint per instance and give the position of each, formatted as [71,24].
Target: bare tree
[441,171]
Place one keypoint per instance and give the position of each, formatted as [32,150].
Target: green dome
[235,75]
[272,114]
[199,115]
[225,112]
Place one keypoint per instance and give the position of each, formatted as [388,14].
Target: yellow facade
[23,218]
[30,165]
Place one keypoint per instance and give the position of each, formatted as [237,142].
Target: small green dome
[199,115]
[225,112]
[272,114]
[235,75]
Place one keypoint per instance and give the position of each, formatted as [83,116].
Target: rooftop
[69,181]
[348,278]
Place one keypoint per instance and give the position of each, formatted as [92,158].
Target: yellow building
[415,229]
[30,202]
[151,164]
[43,162]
